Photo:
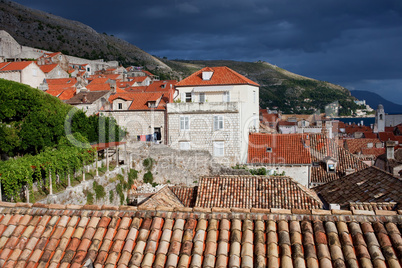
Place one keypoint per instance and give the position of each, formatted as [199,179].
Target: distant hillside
[43,30]
[374,99]
[289,92]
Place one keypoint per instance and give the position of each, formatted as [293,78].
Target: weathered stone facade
[140,122]
[201,133]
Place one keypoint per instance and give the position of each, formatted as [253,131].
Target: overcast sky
[353,43]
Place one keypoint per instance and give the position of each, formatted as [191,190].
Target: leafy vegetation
[148,177]
[32,133]
[99,191]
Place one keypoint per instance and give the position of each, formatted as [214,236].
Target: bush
[90,197]
[99,191]
[111,196]
[148,177]
[260,171]
[148,163]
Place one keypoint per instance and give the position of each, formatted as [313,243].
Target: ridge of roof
[211,212]
[222,76]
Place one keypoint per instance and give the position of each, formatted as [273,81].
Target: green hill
[281,89]
[289,92]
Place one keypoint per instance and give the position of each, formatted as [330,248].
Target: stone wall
[201,134]
[139,122]
[176,166]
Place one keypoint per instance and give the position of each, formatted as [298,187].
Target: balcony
[203,107]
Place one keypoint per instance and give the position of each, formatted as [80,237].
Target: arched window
[380,116]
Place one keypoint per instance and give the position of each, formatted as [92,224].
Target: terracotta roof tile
[16,66]
[254,192]
[221,76]
[356,145]
[48,67]
[322,147]
[368,185]
[199,239]
[284,149]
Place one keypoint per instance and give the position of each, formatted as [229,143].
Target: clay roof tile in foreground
[109,236]
[220,76]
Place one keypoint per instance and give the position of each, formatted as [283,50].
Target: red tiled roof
[384,136]
[254,192]
[67,94]
[138,79]
[350,129]
[98,87]
[286,123]
[221,76]
[61,81]
[156,86]
[125,96]
[48,67]
[268,118]
[370,135]
[187,195]
[373,151]
[98,80]
[55,92]
[60,87]
[110,236]
[356,145]
[286,149]
[101,146]
[389,129]
[141,100]
[2,64]
[147,73]
[368,185]
[16,66]
[322,147]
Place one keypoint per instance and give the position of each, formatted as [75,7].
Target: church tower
[379,125]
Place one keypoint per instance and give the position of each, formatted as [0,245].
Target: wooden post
[83,173]
[117,156]
[27,193]
[50,183]
[107,161]
[96,164]
[125,154]
[68,180]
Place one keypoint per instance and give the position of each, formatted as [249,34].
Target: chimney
[349,171]
[390,149]
[207,74]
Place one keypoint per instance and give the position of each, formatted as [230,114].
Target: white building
[25,72]
[215,110]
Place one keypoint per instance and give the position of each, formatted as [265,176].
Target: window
[218,122]
[184,122]
[269,149]
[120,106]
[331,168]
[184,145]
[202,97]
[188,96]
[219,148]
[226,96]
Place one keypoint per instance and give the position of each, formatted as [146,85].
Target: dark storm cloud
[353,43]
